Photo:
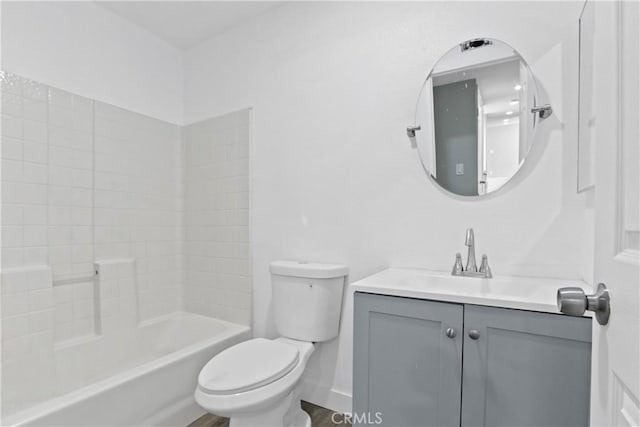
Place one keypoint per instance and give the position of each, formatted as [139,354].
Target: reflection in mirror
[475,117]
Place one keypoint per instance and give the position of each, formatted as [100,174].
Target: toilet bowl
[257,383]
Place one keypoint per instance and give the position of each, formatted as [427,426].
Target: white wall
[83,48]
[333,86]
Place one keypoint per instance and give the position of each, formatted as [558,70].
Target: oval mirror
[476,117]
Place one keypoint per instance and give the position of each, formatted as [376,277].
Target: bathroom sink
[526,293]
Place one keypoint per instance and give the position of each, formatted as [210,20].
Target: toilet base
[301,418]
[286,413]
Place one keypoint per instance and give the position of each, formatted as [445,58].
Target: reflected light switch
[459,168]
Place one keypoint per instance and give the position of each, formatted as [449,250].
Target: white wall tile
[11,148]
[10,83]
[12,170]
[12,214]
[34,194]
[15,304]
[12,257]
[41,299]
[11,126]
[216,200]
[35,152]
[40,321]
[12,236]
[35,255]
[60,116]
[35,110]
[35,131]
[34,235]
[34,173]
[12,104]
[35,91]
[60,98]
[38,278]
[15,326]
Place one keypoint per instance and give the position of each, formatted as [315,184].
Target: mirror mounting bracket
[543,112]
[411,131]
[474,44]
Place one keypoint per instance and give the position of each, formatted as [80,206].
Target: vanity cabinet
[428,363]
[405,367]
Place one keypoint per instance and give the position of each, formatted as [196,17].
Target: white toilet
[256,382]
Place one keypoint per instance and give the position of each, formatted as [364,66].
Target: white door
[615,391]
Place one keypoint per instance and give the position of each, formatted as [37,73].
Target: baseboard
[326,397]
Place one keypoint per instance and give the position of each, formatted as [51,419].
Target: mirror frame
[540,113]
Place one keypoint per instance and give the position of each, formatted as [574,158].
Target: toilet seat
[235,404]
[247,366]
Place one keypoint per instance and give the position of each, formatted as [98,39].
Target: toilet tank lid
[311,270]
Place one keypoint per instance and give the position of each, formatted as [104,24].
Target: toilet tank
[307,299]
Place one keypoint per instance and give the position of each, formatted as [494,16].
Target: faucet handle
[457,266]
[484,267]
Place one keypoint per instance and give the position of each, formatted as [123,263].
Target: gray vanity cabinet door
[525,368]
[406,370]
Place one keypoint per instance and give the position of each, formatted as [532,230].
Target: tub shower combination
[93,380]
[125,262]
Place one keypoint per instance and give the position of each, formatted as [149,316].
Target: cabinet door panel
[406,369]
[525,369]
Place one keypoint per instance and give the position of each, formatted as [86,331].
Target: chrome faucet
[470,242]
[471,269]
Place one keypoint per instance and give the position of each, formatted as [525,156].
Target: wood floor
[320,417]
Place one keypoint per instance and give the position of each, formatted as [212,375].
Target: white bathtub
[138,377]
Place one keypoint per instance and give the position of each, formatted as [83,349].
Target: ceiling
[185,24]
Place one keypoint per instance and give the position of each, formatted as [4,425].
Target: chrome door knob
[574,302]
[571,301]
[474,334]
[450,332]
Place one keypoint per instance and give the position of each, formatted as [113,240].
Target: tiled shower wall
[138,203]
[88,186]
[85,181]
[216,217]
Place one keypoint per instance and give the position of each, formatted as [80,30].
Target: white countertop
[524,293]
